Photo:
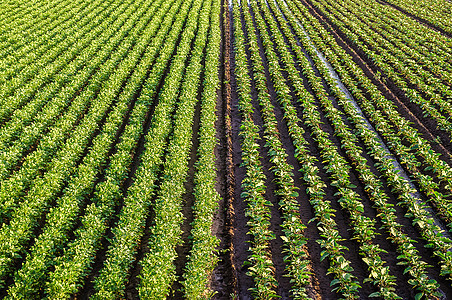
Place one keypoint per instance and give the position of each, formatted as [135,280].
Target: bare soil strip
[271,187]
[426,254]
[284,284]
[223,281]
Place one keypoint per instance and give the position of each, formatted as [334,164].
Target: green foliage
[203,258]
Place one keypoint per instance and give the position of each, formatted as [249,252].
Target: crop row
[374,186]
[34,76]
[429,95]
[416,209]
[156,282]
[412,43]
[22,20]
[260,262]
[203,258]
[63,216]
[107,193]
[44,189]
[40,40]
[337,166]
[158,273]
[293,240]
[323,211]
[350,287]
[56,118]
[421,147]
[59,135]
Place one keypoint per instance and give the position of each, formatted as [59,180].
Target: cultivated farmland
[196,149]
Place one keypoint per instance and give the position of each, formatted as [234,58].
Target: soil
[240,238]
[411,231]
[322,281]
[284,285]
[342,218]
[428,128]
[223,280]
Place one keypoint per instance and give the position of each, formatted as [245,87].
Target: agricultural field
[197,149]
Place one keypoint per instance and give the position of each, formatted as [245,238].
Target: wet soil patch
[223,280]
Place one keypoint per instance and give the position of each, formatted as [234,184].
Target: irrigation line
[416,195]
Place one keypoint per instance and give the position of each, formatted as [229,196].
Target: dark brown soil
[410,230]
[306,211]
[284,284]
[341,217]
[393,29]
[235,222]
[184,249]
[241,239]
[223,280]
